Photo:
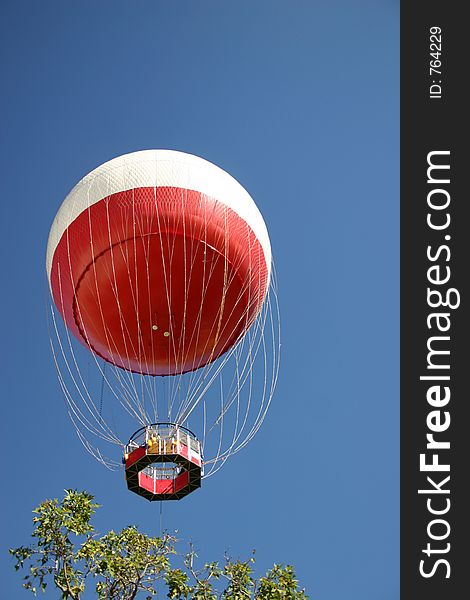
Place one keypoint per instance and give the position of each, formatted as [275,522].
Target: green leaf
[67,553]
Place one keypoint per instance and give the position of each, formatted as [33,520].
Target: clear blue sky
[299,100]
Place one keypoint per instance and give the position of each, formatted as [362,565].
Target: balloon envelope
[158,262]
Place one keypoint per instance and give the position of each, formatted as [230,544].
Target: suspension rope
[246,374]
[102,391]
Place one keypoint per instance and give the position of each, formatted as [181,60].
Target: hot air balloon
[159,265]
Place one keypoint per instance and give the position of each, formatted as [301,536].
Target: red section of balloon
[159,280]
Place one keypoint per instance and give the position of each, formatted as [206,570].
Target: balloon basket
[163,461]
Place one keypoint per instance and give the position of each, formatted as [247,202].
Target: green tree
[68,553]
